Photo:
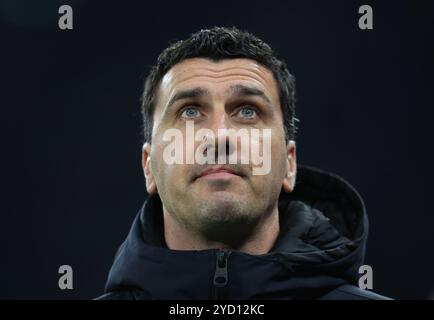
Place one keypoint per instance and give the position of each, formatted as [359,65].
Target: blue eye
[190,113]
[248,112]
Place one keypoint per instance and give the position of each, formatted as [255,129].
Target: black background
[71,141]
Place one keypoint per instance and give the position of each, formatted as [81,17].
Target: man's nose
[224,144]
[219,121]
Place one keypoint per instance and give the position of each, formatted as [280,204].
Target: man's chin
[223,206]
[226,218]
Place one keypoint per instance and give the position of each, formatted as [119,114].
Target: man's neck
[260,241]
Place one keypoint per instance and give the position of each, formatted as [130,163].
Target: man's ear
[291,167]
[151,187]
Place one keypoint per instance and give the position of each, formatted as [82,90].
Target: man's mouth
[219,172]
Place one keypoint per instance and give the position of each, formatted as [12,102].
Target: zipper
[221,271]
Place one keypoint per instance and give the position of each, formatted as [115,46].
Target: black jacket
[323,231]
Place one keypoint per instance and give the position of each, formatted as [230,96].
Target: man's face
[229,94]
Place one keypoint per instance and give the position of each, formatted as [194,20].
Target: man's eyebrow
[243,90]
[186,94]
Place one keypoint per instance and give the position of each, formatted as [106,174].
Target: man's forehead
[203,71]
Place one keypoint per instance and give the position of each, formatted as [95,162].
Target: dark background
[71,141]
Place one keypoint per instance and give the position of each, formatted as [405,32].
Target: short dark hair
[217,44]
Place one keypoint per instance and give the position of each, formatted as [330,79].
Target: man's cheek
[260,145]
